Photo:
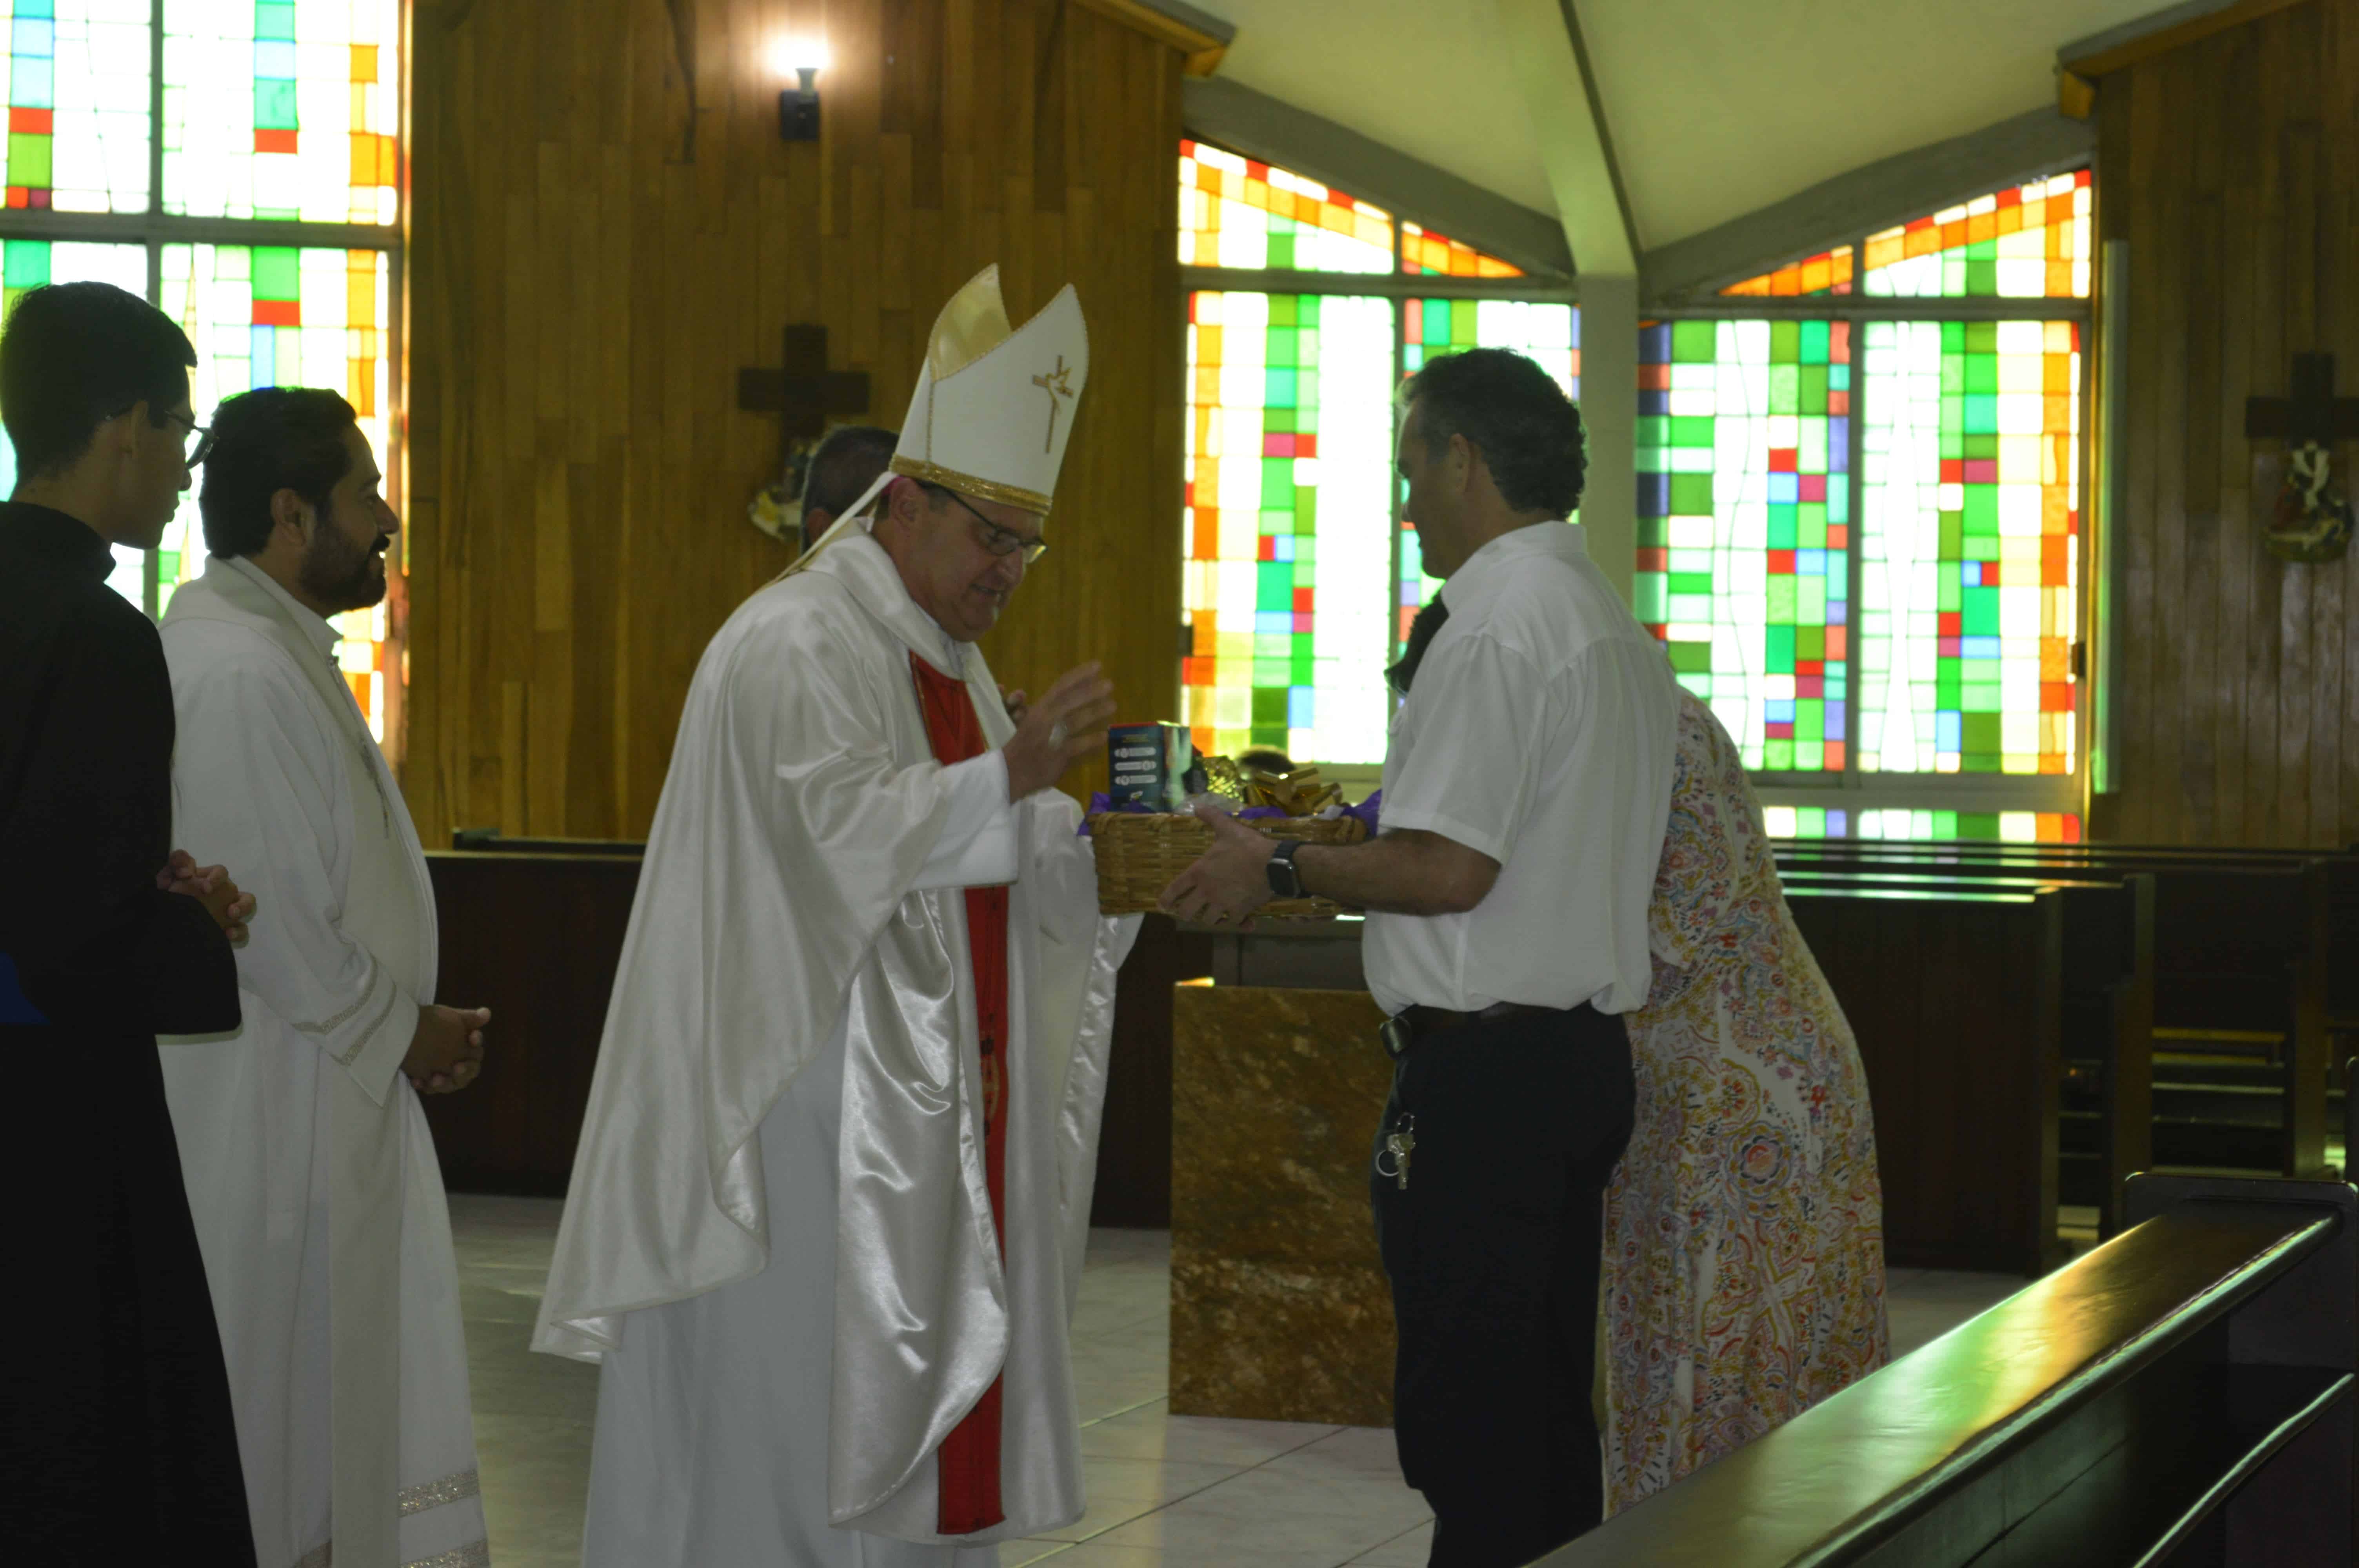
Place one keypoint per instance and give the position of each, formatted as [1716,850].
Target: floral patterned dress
[1743,1270]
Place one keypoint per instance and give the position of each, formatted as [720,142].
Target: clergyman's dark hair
[264,442]
[77,355]
[846,463]
[1511,411]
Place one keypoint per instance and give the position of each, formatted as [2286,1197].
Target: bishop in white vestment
[311,1170]
[827,1216]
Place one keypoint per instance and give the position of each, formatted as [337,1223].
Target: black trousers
[1492,1248]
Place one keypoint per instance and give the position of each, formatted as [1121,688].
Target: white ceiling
[1716,107]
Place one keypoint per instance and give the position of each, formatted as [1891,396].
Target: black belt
[1415,1022]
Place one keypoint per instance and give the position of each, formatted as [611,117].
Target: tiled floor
[1165,1491]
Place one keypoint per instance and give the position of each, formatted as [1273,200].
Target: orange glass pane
[1829,272]
[2031,241]
[1425,253]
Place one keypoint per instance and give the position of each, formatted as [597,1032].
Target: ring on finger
[1058,733]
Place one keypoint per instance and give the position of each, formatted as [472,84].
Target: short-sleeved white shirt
[1538,730]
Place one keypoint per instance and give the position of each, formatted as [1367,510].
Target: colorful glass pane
[278,316]
[1969,551]
[1286,524]
[1744,526]
[1836,822]
[1425,253]
[1829,272]
[77,105]
[281,110]
[26,265]
[2025,243]
[1549,334]
[1234,212]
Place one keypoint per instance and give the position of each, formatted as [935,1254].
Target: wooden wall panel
[2231,166]
[607,227]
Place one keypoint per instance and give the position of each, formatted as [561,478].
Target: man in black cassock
[116,1440]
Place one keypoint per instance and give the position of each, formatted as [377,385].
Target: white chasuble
[311,1170]
[779,1237]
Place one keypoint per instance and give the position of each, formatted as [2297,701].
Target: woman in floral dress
[1743,1270]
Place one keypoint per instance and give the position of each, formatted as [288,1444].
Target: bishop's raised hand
[1064,724]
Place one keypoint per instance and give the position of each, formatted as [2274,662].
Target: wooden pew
[2181,1395]
[2105,1013]
[1956,990]
[2247,949]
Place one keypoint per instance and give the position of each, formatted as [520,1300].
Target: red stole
[970,1455]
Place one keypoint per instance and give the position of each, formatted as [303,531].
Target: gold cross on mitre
[1056,383]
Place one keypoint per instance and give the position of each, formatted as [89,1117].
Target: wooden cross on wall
[2310,414]
[802,391]
[2308,519]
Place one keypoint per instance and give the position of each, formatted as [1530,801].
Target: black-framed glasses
[1000,541]
[202,434]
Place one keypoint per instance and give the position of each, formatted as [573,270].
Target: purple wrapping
[1366,811]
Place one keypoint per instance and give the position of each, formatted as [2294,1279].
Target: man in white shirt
[1527,787]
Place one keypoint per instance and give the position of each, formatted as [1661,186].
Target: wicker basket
[1139,853]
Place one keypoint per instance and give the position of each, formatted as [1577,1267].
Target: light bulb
[791,57]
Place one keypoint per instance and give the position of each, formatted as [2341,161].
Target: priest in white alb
[309,1167]
[826,1220]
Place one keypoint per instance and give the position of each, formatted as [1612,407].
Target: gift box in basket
[1140,851]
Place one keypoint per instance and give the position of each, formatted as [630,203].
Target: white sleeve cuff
[978,846]
[377,1060]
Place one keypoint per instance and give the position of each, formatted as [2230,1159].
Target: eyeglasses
[202,434]
[1000,541]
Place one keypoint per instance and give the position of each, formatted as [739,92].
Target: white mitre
[994,406]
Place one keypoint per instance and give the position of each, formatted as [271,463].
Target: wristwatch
[1285,877]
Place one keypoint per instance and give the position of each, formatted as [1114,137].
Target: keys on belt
[1412,1025]
[1399,1144]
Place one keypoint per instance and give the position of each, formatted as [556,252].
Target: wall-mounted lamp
[799,106]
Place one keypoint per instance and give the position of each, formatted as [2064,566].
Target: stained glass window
[1234,212]
[28,265]
[2024,243]
[281,110]
[278,316]
[1743,450]
[272,111]
[1829,272]
[77,104]
[1550,334]
[1292,596]
[1835,822]
[1428,255]
[1287,525]
[1970,552]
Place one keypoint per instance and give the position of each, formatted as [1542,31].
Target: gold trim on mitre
[925,472]
[974,323]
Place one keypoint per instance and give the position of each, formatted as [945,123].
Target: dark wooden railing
[2180,1396]
[533,929]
